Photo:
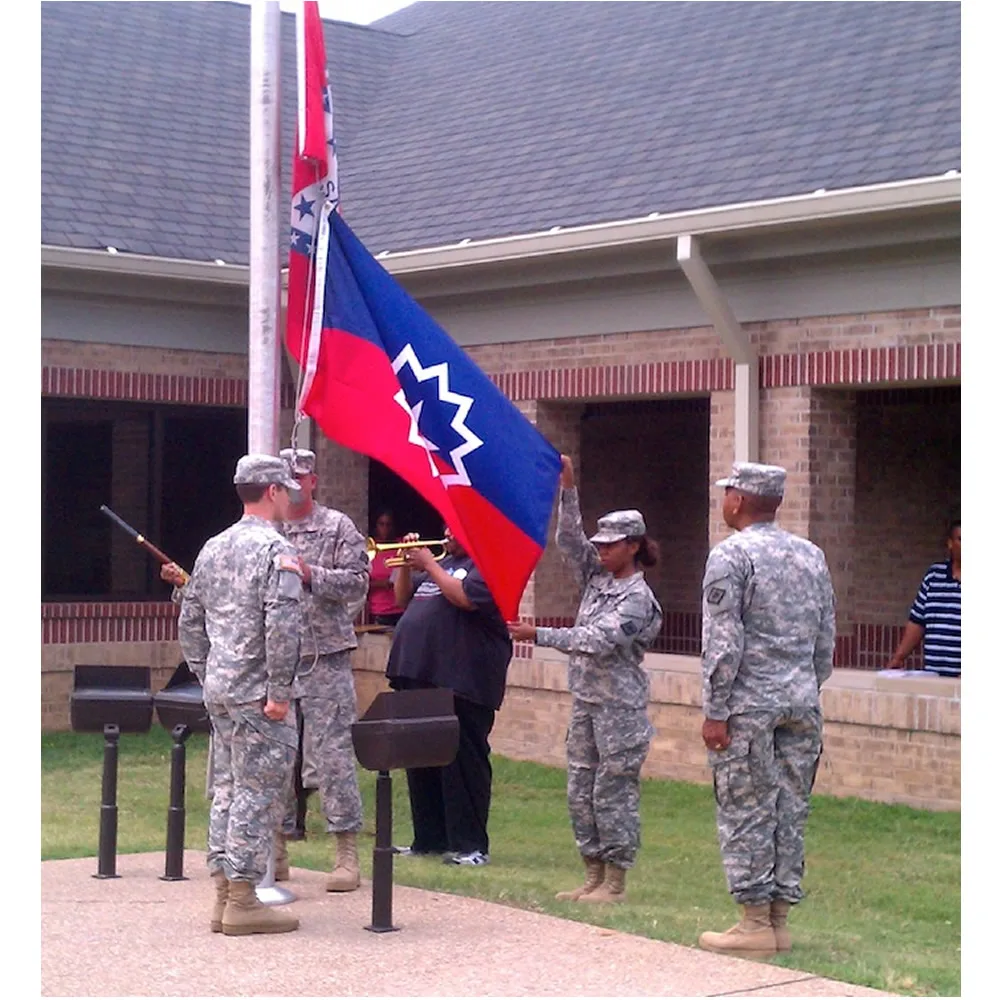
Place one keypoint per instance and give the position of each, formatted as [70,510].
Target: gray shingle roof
[472,120]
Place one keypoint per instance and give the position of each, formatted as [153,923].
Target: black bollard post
[108,843]
[174,870]
[382,857]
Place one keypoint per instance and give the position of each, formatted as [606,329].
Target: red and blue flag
[382,378]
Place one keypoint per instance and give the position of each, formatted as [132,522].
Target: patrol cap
[300,460]
[756,479]
[619,524]
[263,470]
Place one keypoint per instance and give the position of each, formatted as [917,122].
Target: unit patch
[715,595]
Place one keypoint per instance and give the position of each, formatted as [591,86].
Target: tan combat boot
[595,876]
[611,890]
[752,937]
[281,871]
[779,921]
[221,896]
[346,874]
[245,914]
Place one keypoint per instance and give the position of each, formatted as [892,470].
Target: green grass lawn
[883,906]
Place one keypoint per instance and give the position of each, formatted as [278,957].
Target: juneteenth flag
[382,378]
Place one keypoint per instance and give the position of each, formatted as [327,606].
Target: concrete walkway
[140,936]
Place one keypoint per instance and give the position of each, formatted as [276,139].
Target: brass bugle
[373,548]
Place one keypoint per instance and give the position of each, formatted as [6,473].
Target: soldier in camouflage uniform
[767,647]
[334,564]
[239,631]
[609,731]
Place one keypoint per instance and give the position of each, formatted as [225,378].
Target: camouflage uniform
[767,645]
[239,631]
[609,732]
[177,597]
[324,684]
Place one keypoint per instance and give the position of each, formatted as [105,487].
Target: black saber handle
[140,538]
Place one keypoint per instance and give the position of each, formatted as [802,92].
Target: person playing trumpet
[451,635]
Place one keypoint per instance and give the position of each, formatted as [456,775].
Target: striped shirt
[938,609]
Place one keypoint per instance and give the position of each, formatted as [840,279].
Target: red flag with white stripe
[314,184]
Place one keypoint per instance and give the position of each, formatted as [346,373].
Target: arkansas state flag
[382,378]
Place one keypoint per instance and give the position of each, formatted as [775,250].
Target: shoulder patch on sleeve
[715,595]
[629,627]
[287,564]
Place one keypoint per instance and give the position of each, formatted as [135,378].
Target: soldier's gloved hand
[276,710]
[715,733]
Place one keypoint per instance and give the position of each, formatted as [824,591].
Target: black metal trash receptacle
[111,696]
[407,729]
[400,729]
[110,700]
[180,702]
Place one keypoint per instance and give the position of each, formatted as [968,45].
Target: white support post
[737,343]
[746,444]
[264,364]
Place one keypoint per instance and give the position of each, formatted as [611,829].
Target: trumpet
[373,548]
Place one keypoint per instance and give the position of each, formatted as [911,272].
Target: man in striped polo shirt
[936,615]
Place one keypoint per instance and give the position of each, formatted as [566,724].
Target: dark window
[411,512]
[166,470]
[76,554]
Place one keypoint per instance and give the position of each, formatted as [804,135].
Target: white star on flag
[407,357]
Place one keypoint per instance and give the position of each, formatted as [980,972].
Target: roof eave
[144,265]
[898,196]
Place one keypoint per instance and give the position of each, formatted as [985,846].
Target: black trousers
[450,805]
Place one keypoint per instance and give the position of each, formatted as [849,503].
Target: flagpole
[264,365]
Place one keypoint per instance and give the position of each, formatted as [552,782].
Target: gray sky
[358,11]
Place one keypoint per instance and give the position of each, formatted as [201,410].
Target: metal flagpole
[264,369]
[265,273]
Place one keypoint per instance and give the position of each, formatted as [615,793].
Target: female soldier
[609,731]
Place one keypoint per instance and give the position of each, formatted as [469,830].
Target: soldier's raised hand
[566,478]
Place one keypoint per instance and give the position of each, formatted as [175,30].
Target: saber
[141,539]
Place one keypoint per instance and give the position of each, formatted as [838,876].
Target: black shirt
[449,647]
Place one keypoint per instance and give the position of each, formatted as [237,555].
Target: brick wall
[343,480]
[803,426]
[885,740]
[832,469]
[775,338]
[58,661]
[74,354]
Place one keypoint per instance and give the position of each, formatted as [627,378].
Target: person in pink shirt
[382,606]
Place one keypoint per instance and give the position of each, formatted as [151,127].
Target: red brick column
[343,480]
[721,440]
[551,592]
[832,475]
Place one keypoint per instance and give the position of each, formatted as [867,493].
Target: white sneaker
[472,858]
